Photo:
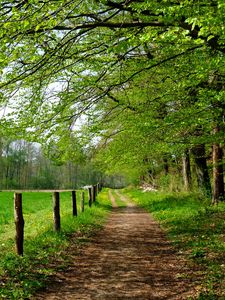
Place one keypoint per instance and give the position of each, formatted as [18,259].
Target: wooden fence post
[94,193]
[19,222]
[74,203]
[82,202]
[56,211]
[90,196]
[97,188]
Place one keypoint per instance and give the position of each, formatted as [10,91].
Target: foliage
[196,229]
[140,74]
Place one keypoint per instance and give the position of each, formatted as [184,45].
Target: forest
[135,86]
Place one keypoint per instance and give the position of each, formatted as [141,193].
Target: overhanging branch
[102,24]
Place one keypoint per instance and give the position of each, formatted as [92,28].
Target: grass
[197,230]
[20,277]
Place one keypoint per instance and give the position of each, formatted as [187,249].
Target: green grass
[20,277]
[196,229]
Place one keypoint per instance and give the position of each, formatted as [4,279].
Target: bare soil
[131,258]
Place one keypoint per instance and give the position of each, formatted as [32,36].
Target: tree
[63,59]
[187,170]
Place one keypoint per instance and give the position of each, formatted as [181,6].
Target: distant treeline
[24,165]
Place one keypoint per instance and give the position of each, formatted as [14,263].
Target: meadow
[20,277]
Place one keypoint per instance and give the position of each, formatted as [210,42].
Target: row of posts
[18,211]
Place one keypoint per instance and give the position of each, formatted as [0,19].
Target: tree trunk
[186,170]
[217,83]
[218,180]
[201,168]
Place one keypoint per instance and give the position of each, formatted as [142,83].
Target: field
[21,276]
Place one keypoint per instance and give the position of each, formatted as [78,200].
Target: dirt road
[130,258]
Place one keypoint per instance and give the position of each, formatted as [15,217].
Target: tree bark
[201,168]
[218,178]
[186,170]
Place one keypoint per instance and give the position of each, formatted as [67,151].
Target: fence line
[18,210]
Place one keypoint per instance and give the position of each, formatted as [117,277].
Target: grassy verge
[20,277]
[197,230]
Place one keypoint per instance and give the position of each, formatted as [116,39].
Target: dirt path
[129,259]
[113,200]
[125,199]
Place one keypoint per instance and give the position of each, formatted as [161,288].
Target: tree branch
[101,24]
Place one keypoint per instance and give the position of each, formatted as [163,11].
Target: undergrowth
[20,277]
[197,229]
